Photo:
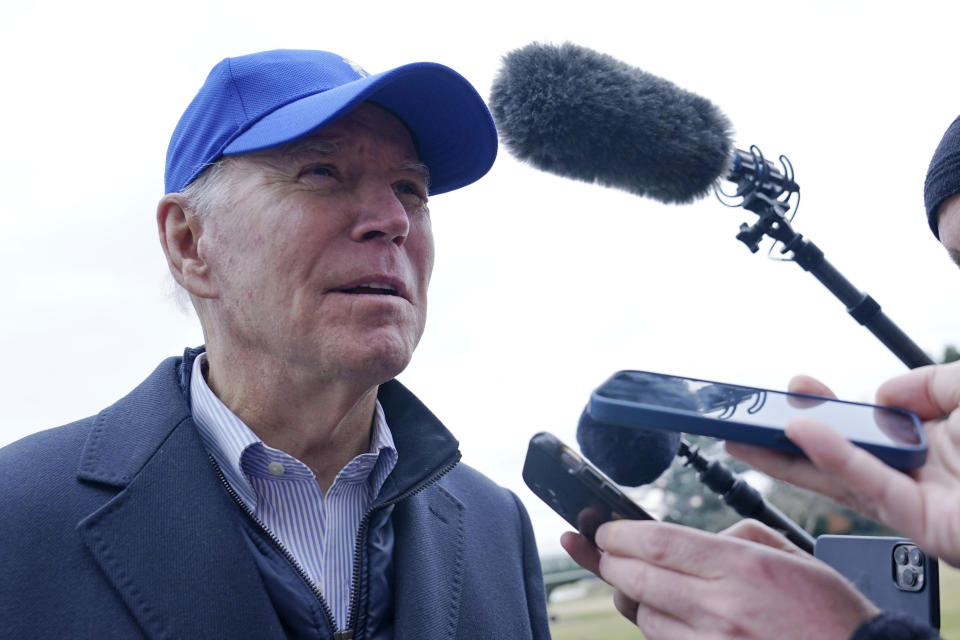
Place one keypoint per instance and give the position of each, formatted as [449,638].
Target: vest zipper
[362,534]
[346,634]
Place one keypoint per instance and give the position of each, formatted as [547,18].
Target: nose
[382,216]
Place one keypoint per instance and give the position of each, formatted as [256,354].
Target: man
[676,582]
[278,483]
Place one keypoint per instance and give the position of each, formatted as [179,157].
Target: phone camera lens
[909,578]
[900,555]
[916,557]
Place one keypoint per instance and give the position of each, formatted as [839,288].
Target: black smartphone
[893,572]
[753,415]
[575,489]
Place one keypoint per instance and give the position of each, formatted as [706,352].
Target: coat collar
[424,446]
[171,522]
[124,436]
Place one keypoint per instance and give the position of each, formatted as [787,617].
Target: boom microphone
[585,115]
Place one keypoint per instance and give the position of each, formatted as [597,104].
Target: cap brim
[451,126]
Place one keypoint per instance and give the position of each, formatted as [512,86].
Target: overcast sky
[543,286]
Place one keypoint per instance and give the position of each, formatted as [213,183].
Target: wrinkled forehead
[368,123]
[368,128]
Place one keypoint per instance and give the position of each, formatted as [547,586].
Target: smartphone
[753,415]
[893,572]
[575,489]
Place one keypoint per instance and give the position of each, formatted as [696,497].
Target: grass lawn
[589,616]
[585,611]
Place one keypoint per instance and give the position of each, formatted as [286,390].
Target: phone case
[893,572]
[574,488]
[616,401]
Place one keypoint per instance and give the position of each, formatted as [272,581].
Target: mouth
[374,287]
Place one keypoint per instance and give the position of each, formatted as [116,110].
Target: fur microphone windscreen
[631,456]
[585,115]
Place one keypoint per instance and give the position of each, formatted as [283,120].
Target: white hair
[209,192]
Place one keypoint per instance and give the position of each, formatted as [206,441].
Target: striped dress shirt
[319,531]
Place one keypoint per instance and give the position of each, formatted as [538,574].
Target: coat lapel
[429,525]
[169,541]
[429,565]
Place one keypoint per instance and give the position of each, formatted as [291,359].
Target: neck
[324,423]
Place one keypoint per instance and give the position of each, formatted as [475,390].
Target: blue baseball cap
[262,100]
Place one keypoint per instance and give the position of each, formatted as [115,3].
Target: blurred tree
[819,514]
[687,501]
[950,354]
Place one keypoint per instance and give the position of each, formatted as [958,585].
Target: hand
[923,505]
[748,582]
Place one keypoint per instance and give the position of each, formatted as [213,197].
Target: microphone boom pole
[766,191]
[743,498]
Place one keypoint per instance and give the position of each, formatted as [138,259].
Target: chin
[368,355]
[376,371]
[380,361]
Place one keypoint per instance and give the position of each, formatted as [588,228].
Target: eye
[320,170]
[408,188]
[413,196]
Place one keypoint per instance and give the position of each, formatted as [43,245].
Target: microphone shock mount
[768,191]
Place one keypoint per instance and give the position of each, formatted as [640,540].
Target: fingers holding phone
[924,503]
[680,582]
[931,392]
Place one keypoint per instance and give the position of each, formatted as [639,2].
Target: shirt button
[276,468]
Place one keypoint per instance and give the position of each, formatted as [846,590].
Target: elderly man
[278,483]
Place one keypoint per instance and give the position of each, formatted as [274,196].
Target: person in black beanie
[941,191]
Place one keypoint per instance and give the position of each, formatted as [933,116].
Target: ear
[180,232]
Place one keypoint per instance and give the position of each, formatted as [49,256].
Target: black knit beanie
[943,174]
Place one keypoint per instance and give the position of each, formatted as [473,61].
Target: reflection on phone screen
[858,422]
